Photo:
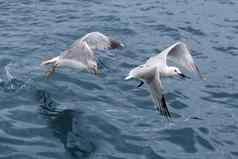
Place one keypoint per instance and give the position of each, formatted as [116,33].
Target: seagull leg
[52,70]
[98,73]
[141,83]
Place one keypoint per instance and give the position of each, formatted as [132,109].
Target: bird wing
[177,53]
[156,92]
[180,54]
[97,40]
[81,53]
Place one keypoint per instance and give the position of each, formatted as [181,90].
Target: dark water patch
[204,130]
[16,141]
[5,150]
[133,138]
[141,92]
[205,143]
[50,155]
[183,138]
[163,28]
[229,142]
[121,30]
[76,143]
[166,31]
[106,99]
[173,115]
[216,141]
[230,50]
[176,94]
[143,125]
[193,31]
[18,156]
[80,82]
[64,18]
[231,20]
[221,97]
[211,86]
[148,8]
[142,103]
[28,132]
[229,129]
[220,94]
[62,124]
[178,105]
[46,102]
[198,54]
[114,157]
[11,85]
[228,2]
[126,65]
[187,139]
[196,118]
[110,18]
[234,153]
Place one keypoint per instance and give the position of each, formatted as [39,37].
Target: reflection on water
[62,124]
[186,138]
[83,135]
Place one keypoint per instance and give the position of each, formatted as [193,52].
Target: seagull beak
[183,76]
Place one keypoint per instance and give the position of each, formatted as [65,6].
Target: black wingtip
[163,107]
[199,73]
[115,44]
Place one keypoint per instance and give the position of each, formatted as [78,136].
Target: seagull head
[174,71]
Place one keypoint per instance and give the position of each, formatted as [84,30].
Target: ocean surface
[76,115]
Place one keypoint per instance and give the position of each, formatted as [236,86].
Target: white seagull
[157,66]
[81,54]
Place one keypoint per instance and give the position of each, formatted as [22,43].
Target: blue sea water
[77,115]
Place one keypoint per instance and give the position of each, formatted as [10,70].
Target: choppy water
[77,115]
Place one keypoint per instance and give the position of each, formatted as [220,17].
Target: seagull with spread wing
[81,54]
[157,66]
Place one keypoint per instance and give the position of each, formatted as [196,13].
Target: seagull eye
[175,70]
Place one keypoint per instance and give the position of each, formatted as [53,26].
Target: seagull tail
[128,77]
[51,61]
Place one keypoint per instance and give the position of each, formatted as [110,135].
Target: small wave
[10,83]
[193,31]
[230,50]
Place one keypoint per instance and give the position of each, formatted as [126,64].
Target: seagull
[81,54]
[157,66]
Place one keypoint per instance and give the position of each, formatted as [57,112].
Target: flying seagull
[157,66]
[81,54]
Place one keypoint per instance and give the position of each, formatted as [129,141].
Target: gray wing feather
[156,92]
[83,49]
[80,52]
[155,87]
[180,55]
[97,40]
[177,53]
